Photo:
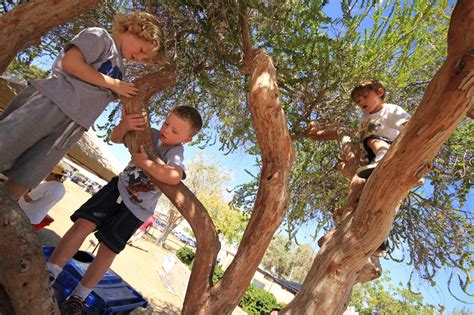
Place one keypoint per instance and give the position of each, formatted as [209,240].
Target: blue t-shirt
[135,187]
[81,101]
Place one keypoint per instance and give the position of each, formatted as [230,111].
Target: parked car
[160,225]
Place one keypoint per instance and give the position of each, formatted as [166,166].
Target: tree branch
[27,22]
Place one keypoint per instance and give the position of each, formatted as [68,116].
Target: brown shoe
[72,306]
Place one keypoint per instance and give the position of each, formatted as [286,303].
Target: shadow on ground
[157,309]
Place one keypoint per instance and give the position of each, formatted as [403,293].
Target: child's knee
[377,144]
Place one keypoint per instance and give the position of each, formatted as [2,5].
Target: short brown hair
[370,85]
[145,26]
[191,115]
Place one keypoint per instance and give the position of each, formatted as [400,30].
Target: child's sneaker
[382,250]
[366,170]
[72,306]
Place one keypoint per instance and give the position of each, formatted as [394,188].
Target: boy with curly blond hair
[43,122]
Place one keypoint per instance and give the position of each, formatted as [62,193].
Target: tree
[278,257]
[287,260]
[319,58]
[208,181]
[372,297]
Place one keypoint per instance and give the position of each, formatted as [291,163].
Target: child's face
[134,48]
[370,101]
[175,130]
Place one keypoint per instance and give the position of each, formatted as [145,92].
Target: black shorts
[115,222]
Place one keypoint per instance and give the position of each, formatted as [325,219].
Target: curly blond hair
[145,26]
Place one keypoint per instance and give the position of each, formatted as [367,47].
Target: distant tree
[277,259]
[209,182]
[380,297]
[287,260]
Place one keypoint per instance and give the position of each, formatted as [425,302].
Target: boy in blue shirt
[120,207]
[44,121]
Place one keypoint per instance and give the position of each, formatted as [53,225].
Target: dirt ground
[139,265]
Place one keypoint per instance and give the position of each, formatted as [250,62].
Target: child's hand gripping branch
[167,174]
[75,63]
[129,122]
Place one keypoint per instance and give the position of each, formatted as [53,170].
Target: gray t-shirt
[81,101]
[135,187]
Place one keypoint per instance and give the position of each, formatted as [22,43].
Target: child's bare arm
[132,122]
[167,174]
[74,63]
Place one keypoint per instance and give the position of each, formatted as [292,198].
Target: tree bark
[328,286]
[26,23]
[24,276]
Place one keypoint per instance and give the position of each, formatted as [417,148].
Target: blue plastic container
[112,295]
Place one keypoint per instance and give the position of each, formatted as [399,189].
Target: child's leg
[100,265]
[34,135]
[379,147]
[95,272]
[14,189]
[71,242]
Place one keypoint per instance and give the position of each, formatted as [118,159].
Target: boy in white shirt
[380,124]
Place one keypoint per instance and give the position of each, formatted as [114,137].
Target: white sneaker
[366,170]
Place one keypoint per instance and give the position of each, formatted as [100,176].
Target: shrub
[258,302]
[186,255]
[218,273]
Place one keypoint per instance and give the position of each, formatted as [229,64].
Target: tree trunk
[24,276]
[328,286]
[26,23]
[277,155]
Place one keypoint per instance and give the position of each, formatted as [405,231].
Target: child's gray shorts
[34,136]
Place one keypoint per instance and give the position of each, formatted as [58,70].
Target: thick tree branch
[272,198]
[26,23]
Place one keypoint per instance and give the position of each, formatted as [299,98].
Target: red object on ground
[47,220]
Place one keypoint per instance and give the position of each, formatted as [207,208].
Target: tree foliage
[287,260]
[380,297]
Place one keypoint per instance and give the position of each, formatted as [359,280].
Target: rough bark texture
[24,276]
[26,23]
[270,126]
[328,286]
